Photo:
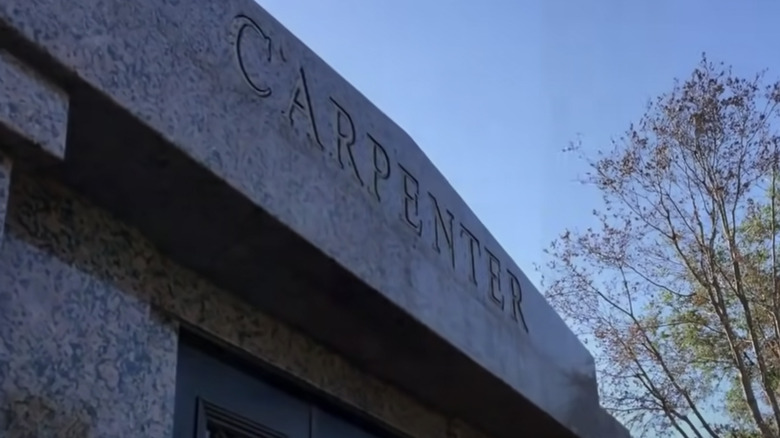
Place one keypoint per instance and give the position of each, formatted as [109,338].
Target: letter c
[243,25]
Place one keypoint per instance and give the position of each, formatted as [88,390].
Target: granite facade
[89,316]
[225,87]
[218,136]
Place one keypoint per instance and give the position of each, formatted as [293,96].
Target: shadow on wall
[38,417]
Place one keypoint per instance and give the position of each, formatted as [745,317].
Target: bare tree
[678,284]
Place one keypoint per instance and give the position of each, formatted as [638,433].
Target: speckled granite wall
[89,313]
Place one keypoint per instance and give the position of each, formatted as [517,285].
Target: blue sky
[493,90]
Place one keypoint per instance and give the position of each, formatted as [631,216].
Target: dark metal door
[217,400]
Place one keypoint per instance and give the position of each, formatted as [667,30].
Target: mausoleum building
[207,232]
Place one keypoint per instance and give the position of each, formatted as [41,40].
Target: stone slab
[32,110]
[251,113]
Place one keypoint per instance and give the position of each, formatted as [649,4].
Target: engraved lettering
[411,201]
[381,166]
[517,299]
[439,223]
[494,285]
[345,138]
[473,244]
[245,29]
[300,100]
[256,52]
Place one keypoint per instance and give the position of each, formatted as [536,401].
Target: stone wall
[89,320]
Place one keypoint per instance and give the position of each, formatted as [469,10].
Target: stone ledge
[31,109]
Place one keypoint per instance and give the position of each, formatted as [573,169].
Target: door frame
[232,356]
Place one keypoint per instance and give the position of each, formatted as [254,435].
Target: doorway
[220,396]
